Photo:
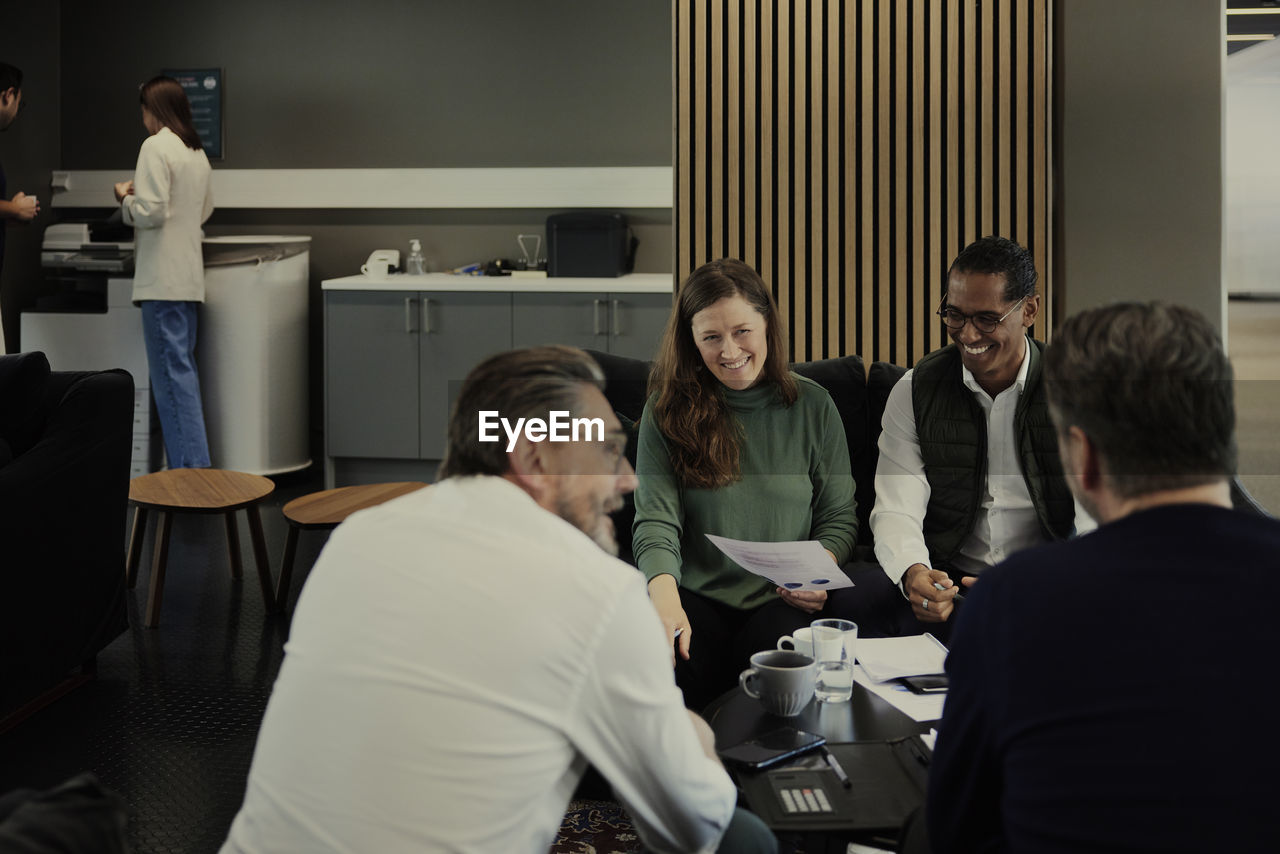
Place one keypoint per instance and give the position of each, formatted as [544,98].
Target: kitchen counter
[633,283]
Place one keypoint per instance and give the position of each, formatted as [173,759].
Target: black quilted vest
[952,432]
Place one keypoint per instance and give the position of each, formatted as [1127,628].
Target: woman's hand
[809,601]
[123,188]
[664,593]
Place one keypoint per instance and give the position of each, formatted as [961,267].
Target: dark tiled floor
[171,719]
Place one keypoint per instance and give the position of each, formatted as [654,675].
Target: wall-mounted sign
[204,90]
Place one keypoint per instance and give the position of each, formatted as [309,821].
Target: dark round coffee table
[735,717]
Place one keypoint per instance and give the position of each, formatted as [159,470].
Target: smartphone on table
[772,748]
[932,683]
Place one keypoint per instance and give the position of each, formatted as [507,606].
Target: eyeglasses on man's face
[984,321]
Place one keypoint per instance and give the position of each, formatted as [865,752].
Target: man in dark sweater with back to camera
[1115,692]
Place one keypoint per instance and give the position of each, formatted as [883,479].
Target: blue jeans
[169,329]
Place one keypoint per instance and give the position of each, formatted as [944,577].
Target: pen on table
[959,597]
[835,766]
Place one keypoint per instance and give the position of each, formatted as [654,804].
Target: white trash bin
[252,352]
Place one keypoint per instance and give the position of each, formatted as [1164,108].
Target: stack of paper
[882,660]
[890,658]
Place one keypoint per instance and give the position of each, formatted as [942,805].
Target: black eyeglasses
[984,322]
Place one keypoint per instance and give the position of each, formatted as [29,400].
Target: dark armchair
[65,443]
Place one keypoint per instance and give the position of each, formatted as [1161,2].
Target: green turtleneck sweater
[796,484]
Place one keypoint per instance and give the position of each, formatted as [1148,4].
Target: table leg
[233,545]
[286,567]
[135,546]
[260,557]
[163,524]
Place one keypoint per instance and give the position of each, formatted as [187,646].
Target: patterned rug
[596,827]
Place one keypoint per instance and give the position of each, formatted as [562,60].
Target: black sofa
[859,395]
[65,445]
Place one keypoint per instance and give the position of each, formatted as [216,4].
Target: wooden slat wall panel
[848,150]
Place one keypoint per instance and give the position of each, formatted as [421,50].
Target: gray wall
[393,84]
[1140,135]
[30,148]
[335,84]
[383,83]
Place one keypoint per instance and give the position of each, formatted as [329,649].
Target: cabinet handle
[596,305]
[615,321]
[409,315]
[426,316]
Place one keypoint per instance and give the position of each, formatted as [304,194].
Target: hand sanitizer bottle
[415,265]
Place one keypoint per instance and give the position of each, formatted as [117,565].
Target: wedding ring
[924,603]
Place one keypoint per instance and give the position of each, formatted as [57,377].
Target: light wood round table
[325,511]
[196,491]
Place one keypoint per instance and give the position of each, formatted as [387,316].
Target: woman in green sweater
[733,443]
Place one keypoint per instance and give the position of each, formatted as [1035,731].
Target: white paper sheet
[889,658]
[803,565]
[918,707]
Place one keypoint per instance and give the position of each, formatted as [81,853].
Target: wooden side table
[196,491]
[326,510]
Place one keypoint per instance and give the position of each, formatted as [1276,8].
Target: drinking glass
[833,642]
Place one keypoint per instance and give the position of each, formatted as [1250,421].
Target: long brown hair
[701,431]
[163,97]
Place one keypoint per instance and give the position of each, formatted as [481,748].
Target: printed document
[803,565]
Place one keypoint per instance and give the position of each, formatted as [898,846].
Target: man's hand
[664,593]
[928,603]
[123,188]
[25,207]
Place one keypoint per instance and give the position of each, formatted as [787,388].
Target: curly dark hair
[992,255]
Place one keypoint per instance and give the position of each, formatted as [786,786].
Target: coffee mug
[801,641]
[375,268]
[781,680]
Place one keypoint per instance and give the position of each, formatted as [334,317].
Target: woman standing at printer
[166,202]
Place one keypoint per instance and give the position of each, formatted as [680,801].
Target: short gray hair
[527,383]
[1150,385]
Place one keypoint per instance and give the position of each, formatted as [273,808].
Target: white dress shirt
[171,200]
[457,657]
[1006,522]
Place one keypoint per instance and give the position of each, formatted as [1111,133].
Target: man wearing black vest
[969,471]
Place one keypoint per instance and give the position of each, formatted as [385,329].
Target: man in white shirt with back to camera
[460,654]
[969,471]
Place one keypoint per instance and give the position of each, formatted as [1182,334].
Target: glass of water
[833,643]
